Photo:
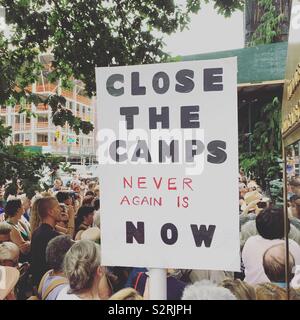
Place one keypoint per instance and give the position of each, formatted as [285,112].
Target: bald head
[274,263]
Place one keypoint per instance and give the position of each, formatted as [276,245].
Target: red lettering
[171,184]
[187,182]
[125,181]
[141,181]
[125,199]
[157,184]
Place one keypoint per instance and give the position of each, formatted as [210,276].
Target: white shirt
[253,253]
[64,295]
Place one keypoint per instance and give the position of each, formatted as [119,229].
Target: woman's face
[20,211]
[88,220]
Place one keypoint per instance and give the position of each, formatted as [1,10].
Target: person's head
[5,230]
[25,201]
[91,186]
[92,234]
[56,251]
[295,206]
[9,254]
[82,266]
[90,193]
[97,191]
[270,223]
[241,289]
[14,208]
[295,185]
[126,294]
[96,203]
[274,263]
[84,215]
[64,197]
[88,201]
[206,290]
[64,216]
[57,184]
[243,189]
[49,209]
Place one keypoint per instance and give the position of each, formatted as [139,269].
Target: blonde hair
[126,294]
[35,219]
[242,290]
[81,263]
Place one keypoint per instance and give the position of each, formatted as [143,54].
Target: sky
[208,32]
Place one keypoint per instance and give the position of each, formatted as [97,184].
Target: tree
[22,169]
[81,34]
[264,160]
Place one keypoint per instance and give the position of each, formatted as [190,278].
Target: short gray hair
[9,251]
[206,290]
[5,228]
[56,251]
[81,263]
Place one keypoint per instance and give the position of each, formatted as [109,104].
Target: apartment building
[40,133]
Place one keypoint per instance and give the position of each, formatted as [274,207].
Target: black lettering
[190,151]
[154,118]
[111,82]
[165,84]
[129,112]
[168,151]
[138,233]
[141,151]
[190,117]
[203,234]
[184,78]
[164,233]
[213,78]
[217,154]
[113,151]
[136,89]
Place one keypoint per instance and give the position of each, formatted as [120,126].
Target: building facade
[39,132]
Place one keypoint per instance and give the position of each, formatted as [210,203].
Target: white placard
[168,154]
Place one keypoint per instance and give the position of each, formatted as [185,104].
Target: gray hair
[81,263]
[5,228]
[56,251]
[248,230]
[206,290]
[9,251]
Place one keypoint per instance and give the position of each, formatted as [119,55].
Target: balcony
[42,107]
[84,100]
[42,144]
[67,94]
[48,87]
[42,125]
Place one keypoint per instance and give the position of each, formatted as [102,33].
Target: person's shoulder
[65,295]
[254,239]
[293,244]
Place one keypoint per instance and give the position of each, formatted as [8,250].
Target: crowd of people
[50,250]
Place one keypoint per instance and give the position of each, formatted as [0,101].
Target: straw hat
[9,277]
[92,234]
[253,196]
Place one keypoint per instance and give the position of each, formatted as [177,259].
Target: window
[42,118]
[42,137]
[17,137]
